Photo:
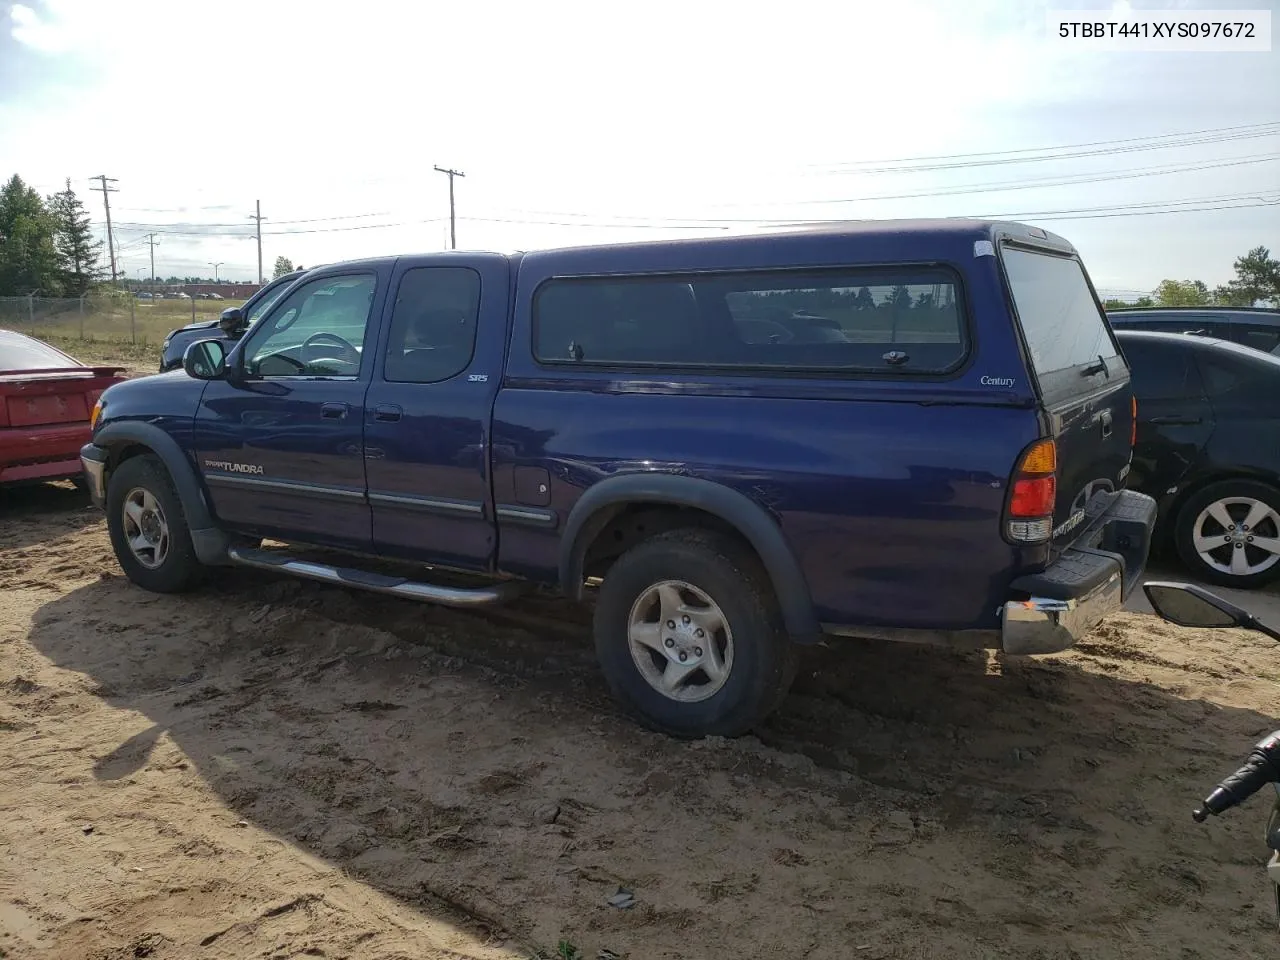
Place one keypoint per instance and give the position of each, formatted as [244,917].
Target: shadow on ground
[31,513]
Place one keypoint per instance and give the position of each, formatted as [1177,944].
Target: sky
[578,122]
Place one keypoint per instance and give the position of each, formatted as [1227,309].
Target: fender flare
[600,503]
[210,543]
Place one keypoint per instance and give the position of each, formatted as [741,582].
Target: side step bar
[377,582]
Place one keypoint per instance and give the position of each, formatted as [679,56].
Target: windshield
[267,301]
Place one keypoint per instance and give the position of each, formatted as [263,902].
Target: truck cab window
[318,331]
[433,325]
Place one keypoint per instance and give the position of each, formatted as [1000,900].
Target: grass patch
[137,358]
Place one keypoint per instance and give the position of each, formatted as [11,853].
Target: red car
[45,402]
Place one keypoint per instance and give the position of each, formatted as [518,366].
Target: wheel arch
[129,438]
[605,501]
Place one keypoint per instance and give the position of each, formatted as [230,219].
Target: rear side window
[1257,335]
[433,324]
[1063,326]
[1241,382]
[19,353]
[887,321]
[1161,371]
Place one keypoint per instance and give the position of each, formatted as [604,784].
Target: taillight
[1133,426]
[1033,490]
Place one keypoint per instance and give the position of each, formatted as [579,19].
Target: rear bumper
[41,453]
[93,464]
[1090,580]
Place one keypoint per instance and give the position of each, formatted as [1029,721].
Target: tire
[753,658]
[1247,565]
[158,518]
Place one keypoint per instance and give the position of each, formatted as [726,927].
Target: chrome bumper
[1045,625]
[93,463]
[1089,581]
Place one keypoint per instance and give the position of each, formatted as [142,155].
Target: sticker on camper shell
[984,248]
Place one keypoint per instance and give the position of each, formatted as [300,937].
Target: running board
[377,582]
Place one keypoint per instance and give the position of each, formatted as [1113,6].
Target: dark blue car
[909,430]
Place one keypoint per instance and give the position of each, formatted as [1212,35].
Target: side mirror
[232,322]
[205,360]
[1190,606]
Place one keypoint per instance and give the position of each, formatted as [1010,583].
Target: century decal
[228,467]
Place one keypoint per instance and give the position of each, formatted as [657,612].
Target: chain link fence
[120,319]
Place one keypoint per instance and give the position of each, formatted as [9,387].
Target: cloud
[30,29]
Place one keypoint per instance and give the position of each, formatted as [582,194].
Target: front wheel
[148,528]
[689,635]
[1229,533]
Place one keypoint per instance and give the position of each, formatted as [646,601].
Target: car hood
[201,325]
[158,398]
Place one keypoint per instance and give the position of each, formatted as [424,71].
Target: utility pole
[453,229]
[215,269]
[152,241]
[257,215]
[106,202]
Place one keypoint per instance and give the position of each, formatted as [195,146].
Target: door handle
[387,413]
[333,411]
[1181,421]
[1106,423]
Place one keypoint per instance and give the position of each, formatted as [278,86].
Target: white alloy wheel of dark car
[1229,533]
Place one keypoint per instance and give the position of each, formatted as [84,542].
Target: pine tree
[79,253]
[28,257]
[1257,278]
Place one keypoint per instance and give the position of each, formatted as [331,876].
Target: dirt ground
[276,769]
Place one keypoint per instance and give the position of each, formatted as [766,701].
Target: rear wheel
[689,636]
[1229,533]
[148,528]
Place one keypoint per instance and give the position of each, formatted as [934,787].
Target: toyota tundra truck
[911,430]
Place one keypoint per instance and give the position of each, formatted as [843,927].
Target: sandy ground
[275,769]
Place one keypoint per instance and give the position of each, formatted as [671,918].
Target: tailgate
[1093,435]
[1082,377]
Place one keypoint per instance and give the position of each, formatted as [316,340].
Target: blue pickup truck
[914,430]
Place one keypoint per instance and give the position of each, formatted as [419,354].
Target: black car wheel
[689,635]
[1229,533]
[148,528]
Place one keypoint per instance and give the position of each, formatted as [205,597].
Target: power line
[1026,183]
[350,216]
[1108,152]
[1123,145]
[106,202]
[1154,213]
[695,224]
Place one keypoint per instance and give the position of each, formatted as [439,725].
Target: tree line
[1257,279]
[47,247]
